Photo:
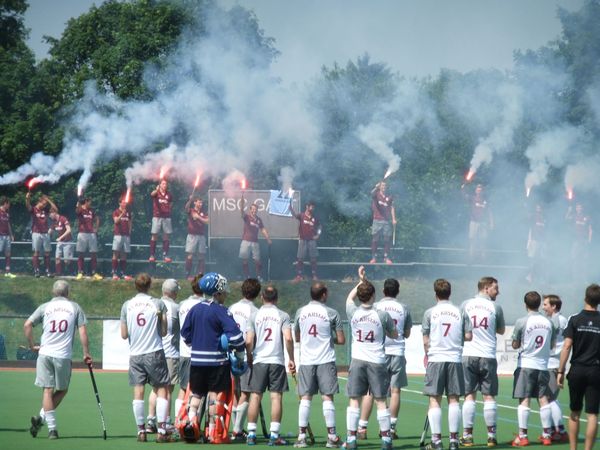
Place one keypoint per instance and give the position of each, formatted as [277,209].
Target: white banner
[115,350]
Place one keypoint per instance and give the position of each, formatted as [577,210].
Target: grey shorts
[444,378]
[150,368]
[553,385]
[309,247]
[184,372]
[5,244]
[364,377]
[481,374]
[271,376]
[320,378]
[161,224]
[173,366]
[121,244]
[396,365]
[87,242]
[53,372]
[248,248]
[64,250]
[40,242]
[478,230]
[382,226]
[195,243]
[531,383]
[242,383]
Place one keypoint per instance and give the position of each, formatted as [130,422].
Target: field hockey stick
[98,400]
[425,429]
[269,262]
[311,436]
[263,423]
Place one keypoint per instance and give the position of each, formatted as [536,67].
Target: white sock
[240,417]
[468,413]
[275,427]
[352,418]
[490,413]
[363,423]
[43,415]
[435,420]
[178,403]
[546,416]
[138,412]
[329,413]
[304,412]
[556,413]
[453,417]
[523,416]
[162,409]
[51,420]
[251,427]
[383,417]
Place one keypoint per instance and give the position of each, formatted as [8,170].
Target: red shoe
[373,261]
[545,440]
[127,277]
[561,438]
[167,259]
[152,258]
[519,441]
[388,261]
[297,280]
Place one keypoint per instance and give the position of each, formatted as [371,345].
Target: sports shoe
[165,438]
[435,446]
[559,437]
[151,426]
[393,434]
[97,277]
[545,440]
[239,437]
[453,445]
[141,437]
[152,258]
[48,274]
[519,441]
[298,279]
[79,276]
[361,434]
[276,441]
[115,277]
[388,261]
[466,440]
[334,443]
[53,434]
[251,439]
[127,277]
[301,443]
[36,424]
[10,275]
[386,445]
[351,445]
[492,442]
[372,261]
[36,273]
[167,259]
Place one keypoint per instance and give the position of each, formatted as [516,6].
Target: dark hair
[196,284]
[442,288]
[270,294]
[592,295]
[251,288]
[318,290]
[391,287]
[486,282]
[143,281]
[554,300]
[365,291]
[532,300]
[309,203]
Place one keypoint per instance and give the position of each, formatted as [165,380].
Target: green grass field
[79,425]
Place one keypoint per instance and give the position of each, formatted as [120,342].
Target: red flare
[162,173]
[79,190]
[197,182]
[570,194]
[243,183]
[128,195]
[528,191]
[469,176]
[388,173]
[31,183]
[290,192]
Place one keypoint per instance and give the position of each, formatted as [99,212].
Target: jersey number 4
[483,323]
[369,337]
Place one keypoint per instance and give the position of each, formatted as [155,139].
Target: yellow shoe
[79,276]
[97,277]
[10,275]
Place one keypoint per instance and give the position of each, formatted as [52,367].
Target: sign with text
[225,214]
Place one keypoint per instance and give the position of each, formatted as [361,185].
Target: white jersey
[60,318]
[242,311]
[368,327]
[560,323]
[486,318]
[171,340]
[446,326]
[317,325]
[536,334]
[268,324]
[185,351]
[140,314]
[402,320]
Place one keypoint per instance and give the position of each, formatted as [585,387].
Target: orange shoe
[545,440]
[520,441]
[373,261]
[388,261]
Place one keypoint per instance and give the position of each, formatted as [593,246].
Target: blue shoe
[251,439]
[276,441]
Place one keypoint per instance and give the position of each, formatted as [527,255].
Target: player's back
[536,333]
[267,324]
[560,323]
[367,326]
[317,324]
[445,325]
[242,311]
[61,318]
[185,350]
[486,317]
[141,315]
[402,320]
[171,339]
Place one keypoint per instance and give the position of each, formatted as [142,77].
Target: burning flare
[128,195]
[31,183]
[469,176]
[162,173]
[388,172]
[527,191]
[79,190]
[197,182]
[243,183]
[570,193]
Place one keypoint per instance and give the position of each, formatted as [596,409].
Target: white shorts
[195,243]
[53,372]
[40,242]
[248,248]
[5,245]
[121,243]
[64,250]
[161,223]
[87,242]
